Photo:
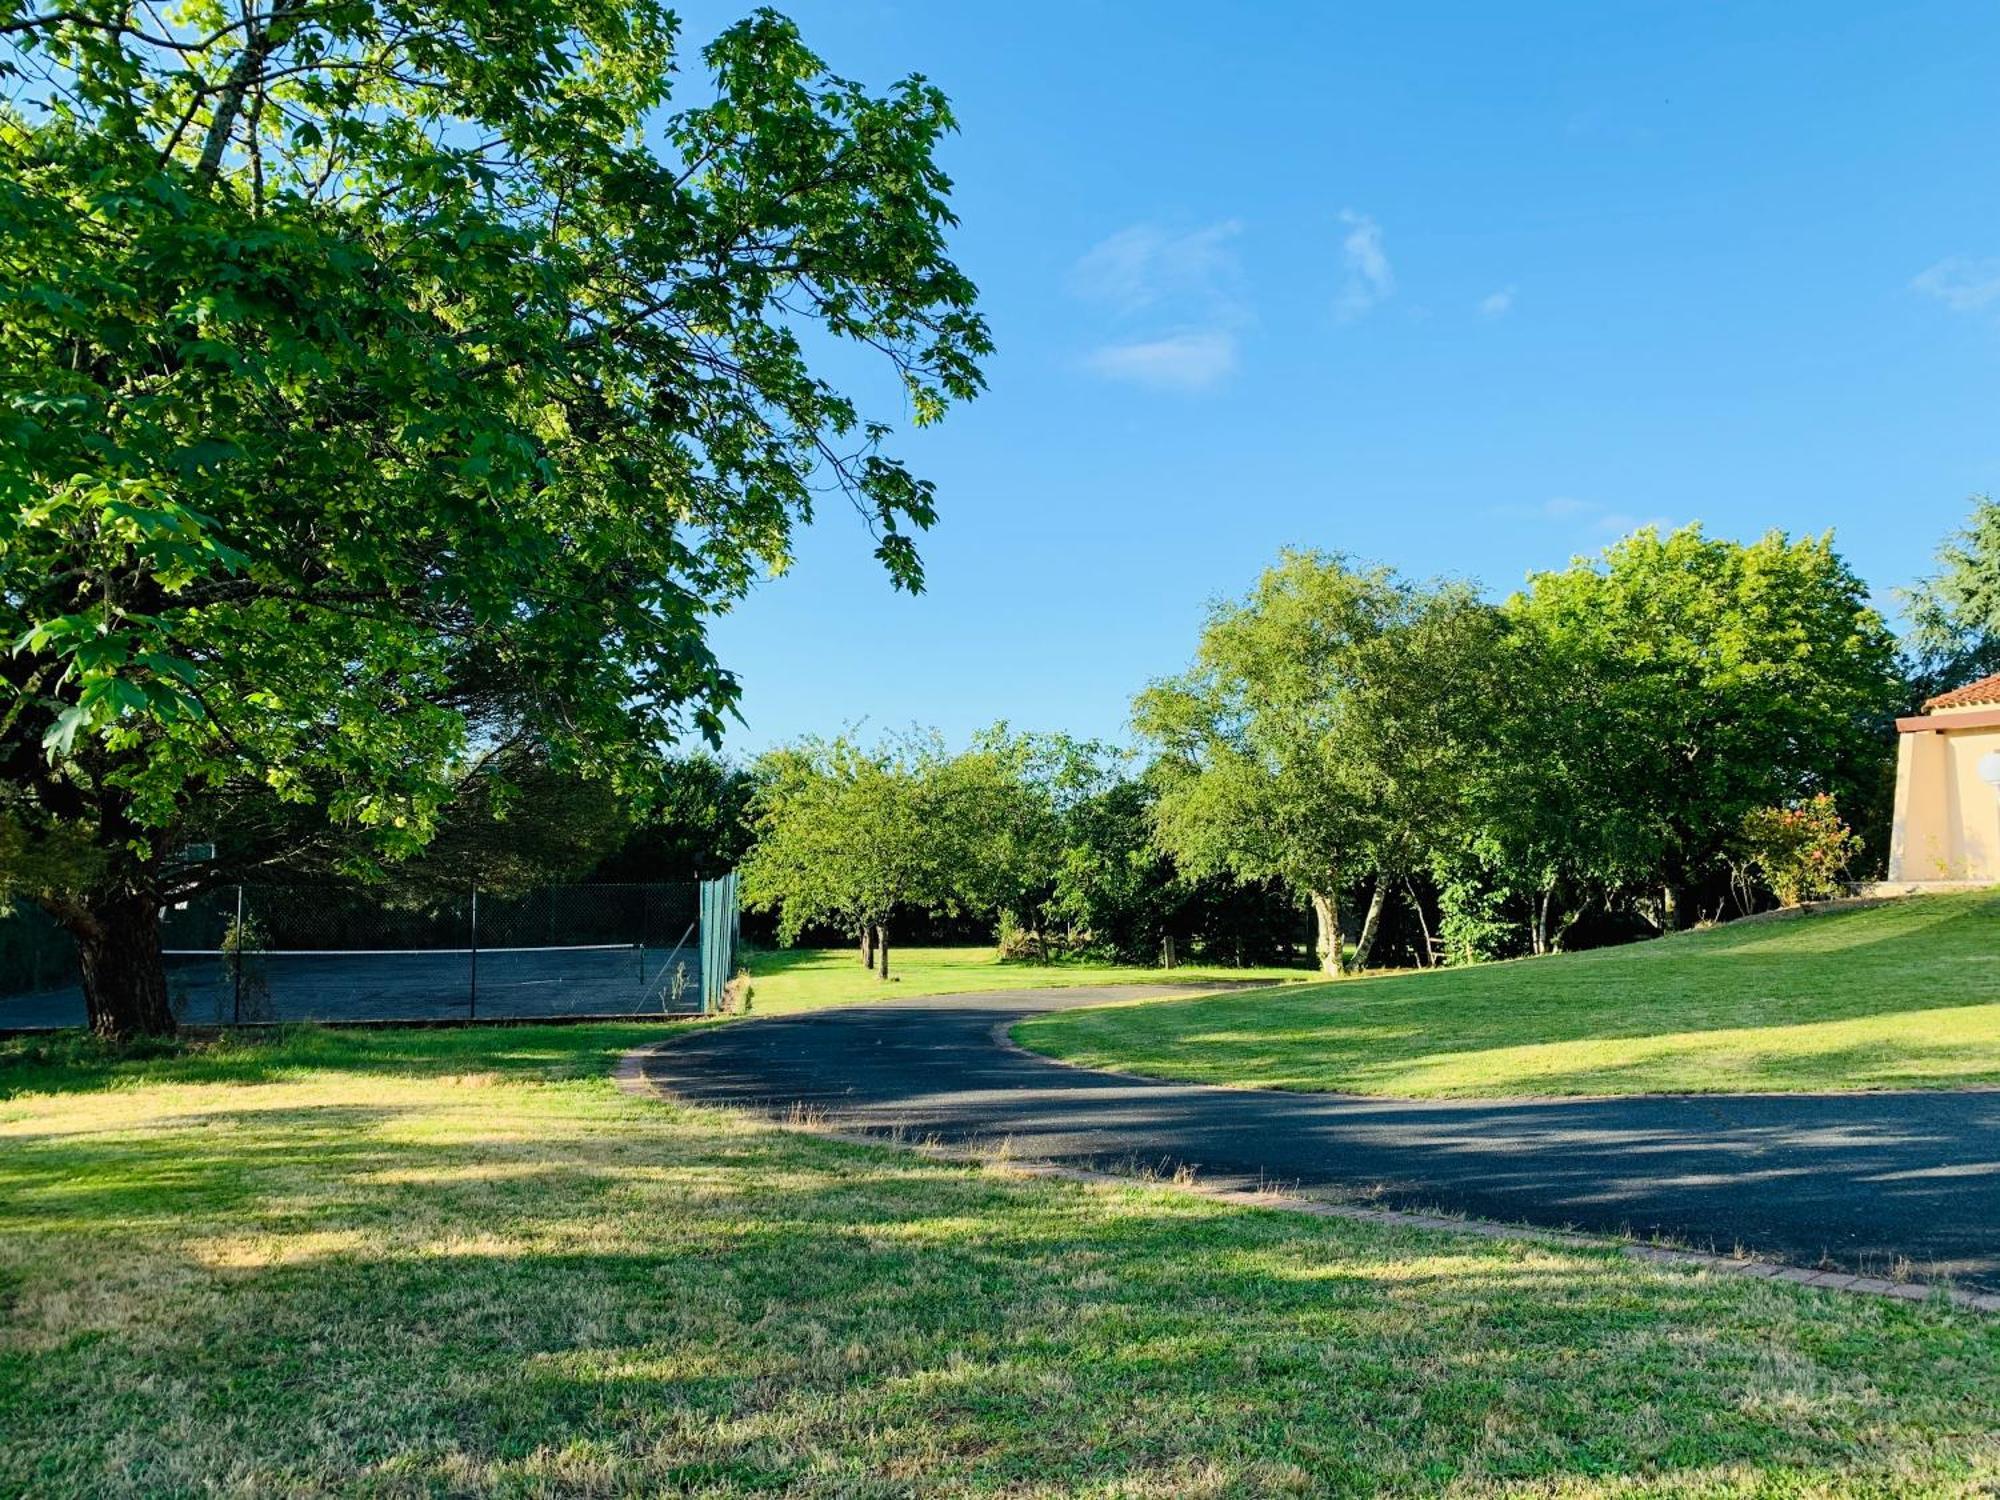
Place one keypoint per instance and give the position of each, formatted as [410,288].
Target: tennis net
[217,986]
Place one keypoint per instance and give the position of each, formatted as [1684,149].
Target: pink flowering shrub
[1799,851]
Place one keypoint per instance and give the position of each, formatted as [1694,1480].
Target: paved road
[1857,1181]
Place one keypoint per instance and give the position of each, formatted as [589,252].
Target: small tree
[1319,739]
[847,836]
[1800,851]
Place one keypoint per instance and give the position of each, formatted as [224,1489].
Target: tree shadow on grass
[505,1296]
[75,1062]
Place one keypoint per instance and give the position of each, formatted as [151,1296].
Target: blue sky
[1463,289]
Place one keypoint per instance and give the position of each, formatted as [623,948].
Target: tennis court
[639,952]
[416,985]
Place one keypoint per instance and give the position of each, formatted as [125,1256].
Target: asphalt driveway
[1858,1181]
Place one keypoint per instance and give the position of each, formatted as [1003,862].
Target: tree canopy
[1689,679]
[847,835]
[1955,612]
[1319,734]
[384,380]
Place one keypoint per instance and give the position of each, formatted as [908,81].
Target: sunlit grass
[462,1263]
[789,979]
[1899,996]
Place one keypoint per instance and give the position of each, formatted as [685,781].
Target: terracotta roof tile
[1986,690]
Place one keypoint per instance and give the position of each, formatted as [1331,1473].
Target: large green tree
[382,380]
[1685,680]
[1320,737]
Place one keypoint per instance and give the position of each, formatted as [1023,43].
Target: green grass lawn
[461,1263]
[789,979]
[1905,995]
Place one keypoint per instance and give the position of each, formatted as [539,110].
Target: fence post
[237,966]
[472,984]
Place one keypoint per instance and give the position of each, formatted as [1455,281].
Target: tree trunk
[868,947]
[1670,908]
[1540,934]
[1372,923]
[118,948]
[1326,922]
[1167,956]
[1428,957]
[882,947]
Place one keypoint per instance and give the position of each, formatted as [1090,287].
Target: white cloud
[1370,277]
[1172,301]
[1141,267]
[1963,283]
[1192,361]
[1497,304]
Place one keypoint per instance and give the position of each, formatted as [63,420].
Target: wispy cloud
[1497,304]
[1370,279]
[1187,284]
[1179,362]
[1144,266]
[1963,283]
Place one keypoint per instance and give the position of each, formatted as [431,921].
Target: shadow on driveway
[1860,1181]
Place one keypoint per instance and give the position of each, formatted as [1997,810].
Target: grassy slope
[460,1262]
[808,978]
[1897,996]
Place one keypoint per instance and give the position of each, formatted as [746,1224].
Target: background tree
[1954,614]
[696,826]
[1547,829]
[517,822]
[1701,678]
[382,382]
[846,837]
[1315,740]
[1029,808]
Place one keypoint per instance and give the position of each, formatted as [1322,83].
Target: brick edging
[629,1075]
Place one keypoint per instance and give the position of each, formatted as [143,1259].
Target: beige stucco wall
[1947,820]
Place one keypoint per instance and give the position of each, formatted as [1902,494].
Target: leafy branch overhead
[381,379]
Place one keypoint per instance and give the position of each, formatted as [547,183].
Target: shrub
[1799,850]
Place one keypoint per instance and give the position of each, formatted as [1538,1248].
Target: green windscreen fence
[721,930]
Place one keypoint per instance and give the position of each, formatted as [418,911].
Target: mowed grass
[462,1263]
[792,979]
[1904,995]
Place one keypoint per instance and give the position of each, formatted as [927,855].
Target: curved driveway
[1858,1180]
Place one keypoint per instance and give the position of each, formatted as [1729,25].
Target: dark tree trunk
[1364,945]
[1326,920]
[882,946]
[1429,957]
[868,948]
[1670,908]
[118,948]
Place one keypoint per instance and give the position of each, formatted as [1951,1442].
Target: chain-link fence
[239,954]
